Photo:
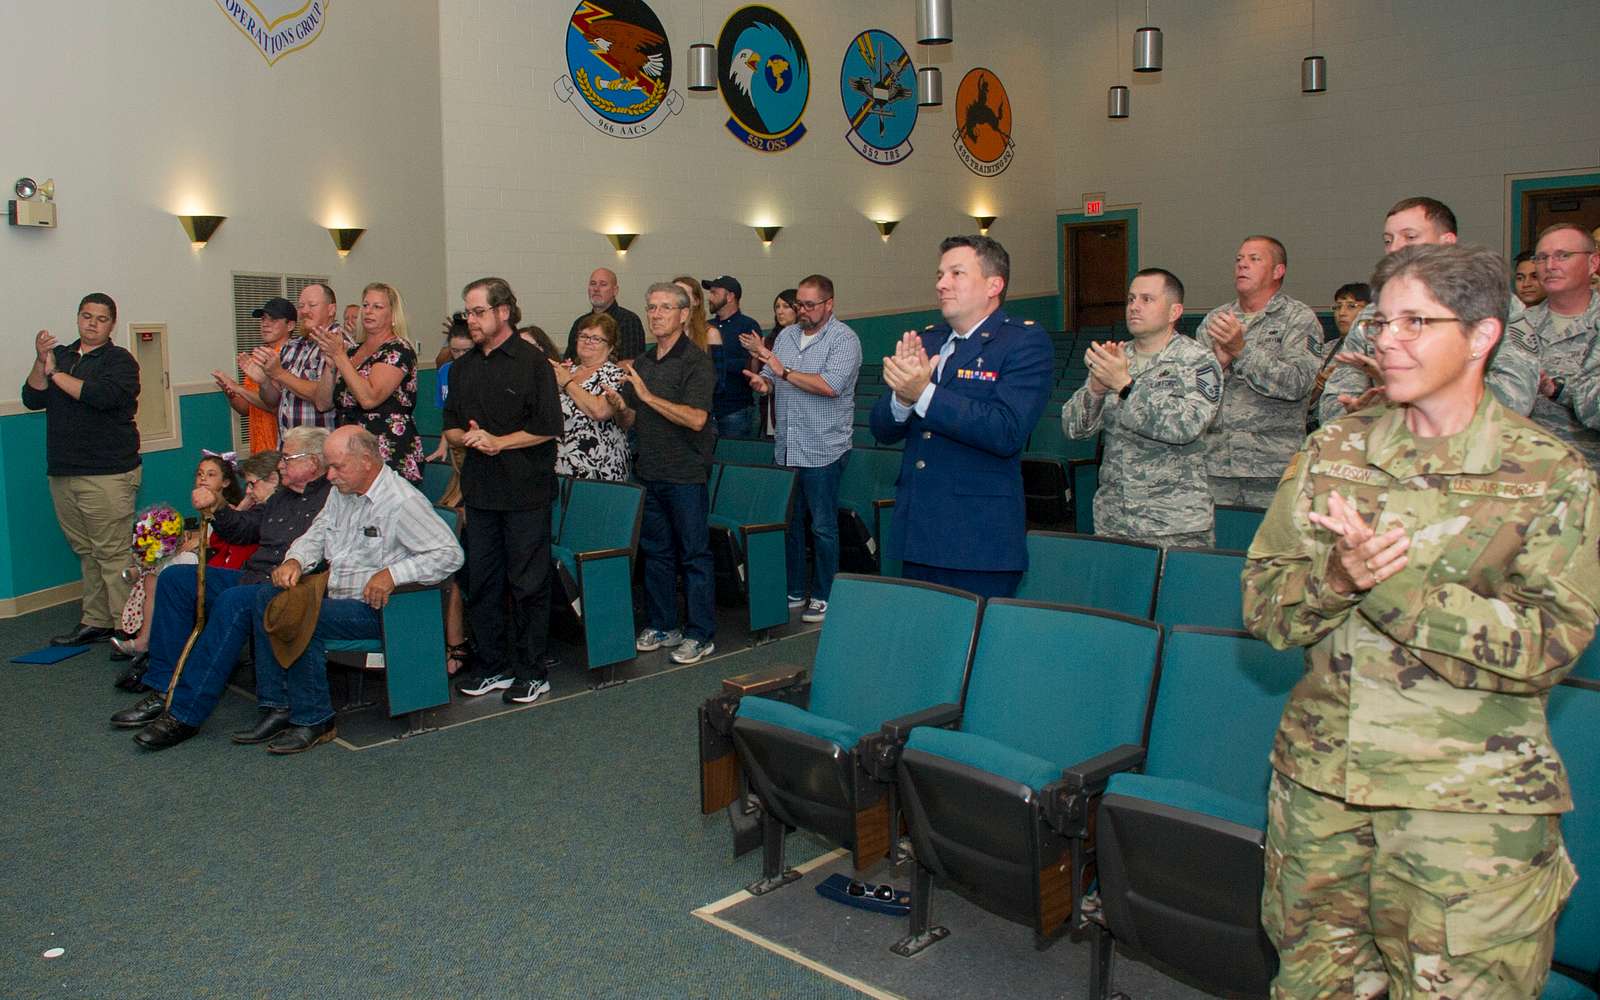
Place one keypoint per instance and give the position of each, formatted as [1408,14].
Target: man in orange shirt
[278,317]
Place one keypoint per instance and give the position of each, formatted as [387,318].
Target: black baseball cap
[277,309]
[725,282]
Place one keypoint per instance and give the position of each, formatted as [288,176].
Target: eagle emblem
[620,65]
[765,78]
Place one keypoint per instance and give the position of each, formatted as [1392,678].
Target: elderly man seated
[230,597]
[375,534]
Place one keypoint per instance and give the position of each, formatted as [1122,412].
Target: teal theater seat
[413,649]
[1085,478]
[992,805]
[435,480]
[1093,572]
[1046,485]
[593,553]
[1179,845]
[1236,526]
[744,451]
[866,504]
[749,515]
[1574,712]
[1200,587]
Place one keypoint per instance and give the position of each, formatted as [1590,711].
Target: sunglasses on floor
[884,892]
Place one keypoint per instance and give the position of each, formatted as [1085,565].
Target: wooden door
[1096,273]
[1580,205]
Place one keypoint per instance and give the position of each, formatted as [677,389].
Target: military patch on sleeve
[1208,382]
[1523,337]
[1314,341]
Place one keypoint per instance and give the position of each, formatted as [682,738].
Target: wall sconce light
[622,241]
[35,204]
[767,234]
[344,240]
[201,228]
[885,227]
[984,222]
[702,67]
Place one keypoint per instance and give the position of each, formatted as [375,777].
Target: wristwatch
[1123,392]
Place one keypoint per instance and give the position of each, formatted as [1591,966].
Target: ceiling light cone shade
[767,234]
[934,22]
[1117,102]
[885,227]
[200,228]
[702,67]
[1147,50]
[930,87]
[1313,75]
[622,241]
[344,240]
[984,222]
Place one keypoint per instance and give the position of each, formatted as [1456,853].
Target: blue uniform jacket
[959,501]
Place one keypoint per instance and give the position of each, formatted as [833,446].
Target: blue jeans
[303,688]
[816,495]
[675,533]
[738,424]
[229,603]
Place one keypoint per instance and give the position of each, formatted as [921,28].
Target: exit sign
[1094,205]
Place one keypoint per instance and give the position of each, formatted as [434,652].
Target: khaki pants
[96,515]
[1424,904]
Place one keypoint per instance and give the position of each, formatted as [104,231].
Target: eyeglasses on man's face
[808,306]
[1557,256]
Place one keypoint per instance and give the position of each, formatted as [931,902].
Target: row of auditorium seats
[1028,745]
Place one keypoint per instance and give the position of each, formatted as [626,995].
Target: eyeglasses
[591,338]
[884,892]
[286,459]
[1404,328]
[479,312]
[1557,256]
[656,307]
[803,304]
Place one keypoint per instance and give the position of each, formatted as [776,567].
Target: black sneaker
[524,692]
[475,686]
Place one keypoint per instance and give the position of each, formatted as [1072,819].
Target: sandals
[458,657]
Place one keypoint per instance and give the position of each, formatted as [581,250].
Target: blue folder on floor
[50,654]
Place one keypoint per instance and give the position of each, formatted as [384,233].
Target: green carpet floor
[547,853]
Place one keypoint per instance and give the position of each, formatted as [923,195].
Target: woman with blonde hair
[374,385]
[700,330]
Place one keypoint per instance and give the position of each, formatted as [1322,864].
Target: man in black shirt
[505,409]
[89,392]
[667,403]
[603,289]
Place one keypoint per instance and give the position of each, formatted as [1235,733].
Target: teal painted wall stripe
[879,334]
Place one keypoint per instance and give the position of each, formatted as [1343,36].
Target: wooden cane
[199,610]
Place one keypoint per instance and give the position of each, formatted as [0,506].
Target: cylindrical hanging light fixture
[930,87]
[702,66]
[1147,50]
[934,22]
[1313,75]
[1117,102]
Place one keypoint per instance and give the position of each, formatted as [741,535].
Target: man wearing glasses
[230,597]
[1354,381]
[811,369]
[666,402]
[1563,328]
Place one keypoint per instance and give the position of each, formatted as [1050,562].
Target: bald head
[602,288]
[352,459]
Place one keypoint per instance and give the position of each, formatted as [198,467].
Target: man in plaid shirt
[288,379]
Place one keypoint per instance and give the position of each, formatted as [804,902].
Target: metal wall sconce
[344,240]
[622,241]
[702,67]
[984,222]
[767,234]
[930,87]
[200,228]
[1117,102]
[885,227]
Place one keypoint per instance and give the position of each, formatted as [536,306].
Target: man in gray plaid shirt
[811,368]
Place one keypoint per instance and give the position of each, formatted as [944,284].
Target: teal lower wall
[36,555]
[879,334]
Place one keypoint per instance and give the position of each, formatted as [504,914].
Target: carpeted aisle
[554,852]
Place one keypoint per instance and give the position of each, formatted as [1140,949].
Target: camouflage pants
[1422,904]
[1242,491]
[1184,540]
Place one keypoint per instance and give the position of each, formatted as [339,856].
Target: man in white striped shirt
[376,533]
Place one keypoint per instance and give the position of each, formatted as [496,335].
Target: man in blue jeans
[666,402]
[230,597]
[375,534]
[811,368]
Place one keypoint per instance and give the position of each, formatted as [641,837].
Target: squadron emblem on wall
[764,77]
[983,123]
[619,68]
[878,85]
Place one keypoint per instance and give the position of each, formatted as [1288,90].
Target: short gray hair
[1467,280]
[305,440]
[668,286]
[364,442]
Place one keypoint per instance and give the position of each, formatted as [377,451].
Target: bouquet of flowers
[157,536]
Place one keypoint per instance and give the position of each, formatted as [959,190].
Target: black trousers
[509,550]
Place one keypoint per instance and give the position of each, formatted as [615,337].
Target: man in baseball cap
[278,317]
[733,408]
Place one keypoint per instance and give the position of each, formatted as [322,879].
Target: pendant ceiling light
[934,22]
[1147,46]
[1117,97]
[930,87]
[702,66]
[1313,69]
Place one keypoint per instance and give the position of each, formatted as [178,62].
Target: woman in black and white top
[592,445]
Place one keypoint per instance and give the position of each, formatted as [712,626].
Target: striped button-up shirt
[391,526]
[812,430]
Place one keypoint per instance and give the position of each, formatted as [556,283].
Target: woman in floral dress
[374,384]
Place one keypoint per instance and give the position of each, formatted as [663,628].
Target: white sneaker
[693,651]
[654,638]
[797,600]
[816,611]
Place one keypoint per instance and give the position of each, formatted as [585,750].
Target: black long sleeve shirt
[95,434]
[273,525]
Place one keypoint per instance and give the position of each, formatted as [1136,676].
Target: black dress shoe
[270,722]
[164,732]
[132,677]
[144,711]
[83,635]
[299,739]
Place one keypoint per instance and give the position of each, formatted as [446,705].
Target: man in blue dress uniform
[964,396]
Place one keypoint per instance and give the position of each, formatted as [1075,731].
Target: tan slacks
[96,515]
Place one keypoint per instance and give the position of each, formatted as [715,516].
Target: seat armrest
[880,751]
[601,554]
[943,716]
[758,529]
[763,681]
[1066,800]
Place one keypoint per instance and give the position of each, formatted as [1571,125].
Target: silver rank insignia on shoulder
[1027,322]
[930,326]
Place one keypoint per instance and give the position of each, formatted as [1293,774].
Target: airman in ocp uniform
[1154,399]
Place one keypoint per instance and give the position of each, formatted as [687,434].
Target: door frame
[1065,222]
[1519,186]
